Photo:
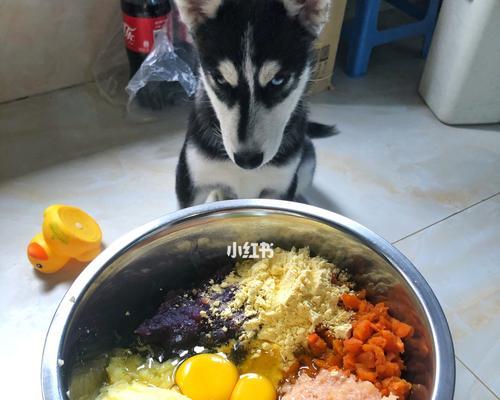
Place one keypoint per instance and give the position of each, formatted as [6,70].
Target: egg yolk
[207,377]
[253,386]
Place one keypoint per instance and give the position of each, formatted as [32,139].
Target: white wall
[50,44]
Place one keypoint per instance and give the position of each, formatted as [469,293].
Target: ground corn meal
[284,298]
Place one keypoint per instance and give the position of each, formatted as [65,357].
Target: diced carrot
[365,306]
[351,301]
[362,330]
[312,338]
[392,369]
[352,345]
[397,346]
[365,374]
[377,341]
[334,360]
[380,308]
[385,322]
[388,369]
[316,344]
[377,351]
[349,362]
[393,343]
[397,386]
[338,346]
[372,353]
[366,358]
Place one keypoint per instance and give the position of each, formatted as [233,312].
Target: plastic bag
[162,77]
[166,77]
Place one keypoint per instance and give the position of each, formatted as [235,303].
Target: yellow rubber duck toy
[67,232]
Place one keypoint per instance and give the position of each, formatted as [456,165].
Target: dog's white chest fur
[209,174]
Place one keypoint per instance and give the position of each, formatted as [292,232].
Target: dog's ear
[195,12]
[312,14]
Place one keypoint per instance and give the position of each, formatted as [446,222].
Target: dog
[248,134]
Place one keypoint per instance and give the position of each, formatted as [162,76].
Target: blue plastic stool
[361,33]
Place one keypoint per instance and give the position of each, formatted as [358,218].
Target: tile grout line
[477,377]
[445,218]
[46,92]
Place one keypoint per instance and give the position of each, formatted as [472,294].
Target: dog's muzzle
[248,159]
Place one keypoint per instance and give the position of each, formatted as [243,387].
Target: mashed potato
[131,376]
[137,390]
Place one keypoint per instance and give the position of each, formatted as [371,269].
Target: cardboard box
[325,49]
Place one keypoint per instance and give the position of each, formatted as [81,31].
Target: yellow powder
[285,298]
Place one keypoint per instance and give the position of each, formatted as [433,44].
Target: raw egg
[207,377]
[266,363]
[253,386]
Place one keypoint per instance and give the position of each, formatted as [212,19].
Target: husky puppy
[248,134]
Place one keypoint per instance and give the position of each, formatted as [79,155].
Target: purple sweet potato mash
[184,320]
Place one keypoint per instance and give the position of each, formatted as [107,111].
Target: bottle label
[139,33]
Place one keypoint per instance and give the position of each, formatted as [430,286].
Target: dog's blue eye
[278,81]
[219,79]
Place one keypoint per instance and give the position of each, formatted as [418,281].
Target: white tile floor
[459,258]
[432,189]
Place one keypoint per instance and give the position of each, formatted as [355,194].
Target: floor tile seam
[446,218]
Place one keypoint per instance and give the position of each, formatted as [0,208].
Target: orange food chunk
[397,386]
[349,362]
[377,351]
[388,370]
[351,301]
[365,306]
[338,346]
[365,374]
[393,342]
[362,330]
[366,358]
[377,340]
[372,353]
[316,345]
[353,345]
[333,360]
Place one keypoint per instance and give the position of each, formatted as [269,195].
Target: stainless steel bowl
[125,284]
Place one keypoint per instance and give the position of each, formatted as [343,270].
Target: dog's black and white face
[255,64]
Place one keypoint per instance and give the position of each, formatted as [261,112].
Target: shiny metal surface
[125,284]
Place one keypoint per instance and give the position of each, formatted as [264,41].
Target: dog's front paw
[215,195]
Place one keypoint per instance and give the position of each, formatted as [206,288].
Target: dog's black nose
[248,159]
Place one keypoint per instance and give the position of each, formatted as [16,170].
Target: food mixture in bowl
[290,327]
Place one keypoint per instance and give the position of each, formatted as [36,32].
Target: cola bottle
[142,19]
